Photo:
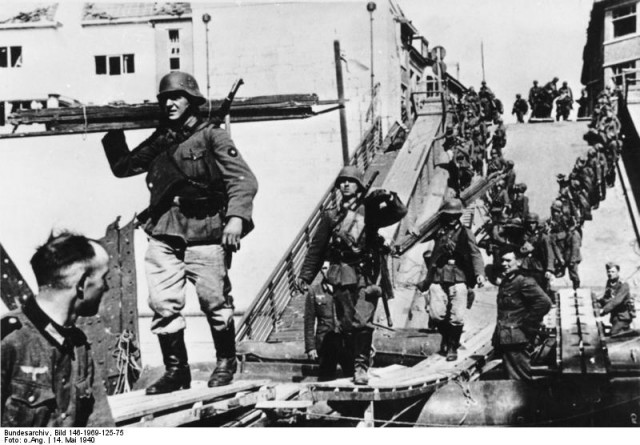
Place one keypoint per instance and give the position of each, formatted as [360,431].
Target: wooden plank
[136,404]
[284,404]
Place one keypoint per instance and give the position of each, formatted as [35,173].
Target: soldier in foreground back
[200,207]
[48,375]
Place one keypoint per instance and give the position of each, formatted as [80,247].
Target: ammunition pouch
[199,207]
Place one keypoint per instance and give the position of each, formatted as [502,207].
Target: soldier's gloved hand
[480,280]
[231,234]
[313,354]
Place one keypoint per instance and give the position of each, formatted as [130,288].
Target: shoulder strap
[8,325]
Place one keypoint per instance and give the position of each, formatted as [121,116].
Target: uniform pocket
[193,162]
[30,405]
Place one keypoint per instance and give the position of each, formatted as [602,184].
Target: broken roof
[28,13]
[120,11]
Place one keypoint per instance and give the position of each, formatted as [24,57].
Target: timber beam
[92,119]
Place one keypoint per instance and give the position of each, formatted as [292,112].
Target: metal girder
[13,289]
[113,333]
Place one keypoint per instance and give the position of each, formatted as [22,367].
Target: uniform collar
[63,337]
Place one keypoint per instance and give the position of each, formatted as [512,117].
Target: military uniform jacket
[540,257]
[521,306]
[455,257]
[48,375]
[319,317]
[208,157]
[617,301]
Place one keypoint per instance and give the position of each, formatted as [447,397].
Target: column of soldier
[552,247]
[467,139]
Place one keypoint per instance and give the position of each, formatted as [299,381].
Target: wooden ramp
[182,407]
[397,382]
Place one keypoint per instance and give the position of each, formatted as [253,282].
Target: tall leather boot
[226,366]
[177,375]
[443,329]
[455,332]
[362,351]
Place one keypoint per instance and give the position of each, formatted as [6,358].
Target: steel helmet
[452,206]
[557,205]
[182,82]
[351,172]
[532,217]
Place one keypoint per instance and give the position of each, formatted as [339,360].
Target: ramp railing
[261,317]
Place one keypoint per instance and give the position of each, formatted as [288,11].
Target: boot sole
[155,393]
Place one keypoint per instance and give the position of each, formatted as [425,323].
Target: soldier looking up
[48,374]
[201,203]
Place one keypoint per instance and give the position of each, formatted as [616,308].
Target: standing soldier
[534,98]
[499,140]
[522,304]
[537,261]
[454,266]
[48,375]
[617,301]
[322,341]
[201,204]
[520,108]
[564,104]
[351,248]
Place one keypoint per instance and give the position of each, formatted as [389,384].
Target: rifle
[224,109]
[387,287]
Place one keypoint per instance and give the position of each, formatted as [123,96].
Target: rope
[125,363]
[469,400]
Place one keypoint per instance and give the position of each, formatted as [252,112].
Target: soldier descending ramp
[593,378]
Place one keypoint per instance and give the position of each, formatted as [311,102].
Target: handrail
[262,315]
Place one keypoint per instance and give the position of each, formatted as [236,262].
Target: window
[621,76]
[127,63]
[101,65]
[10,56]
[115,65]
[174,49]
[624,20]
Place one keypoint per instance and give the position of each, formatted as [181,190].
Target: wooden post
[343,113]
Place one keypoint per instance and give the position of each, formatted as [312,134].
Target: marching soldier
[349,245]
[201,203]
[520,108]
[454,266]
[48,375]
[537,257]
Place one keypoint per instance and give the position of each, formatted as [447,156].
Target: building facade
[612,52]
